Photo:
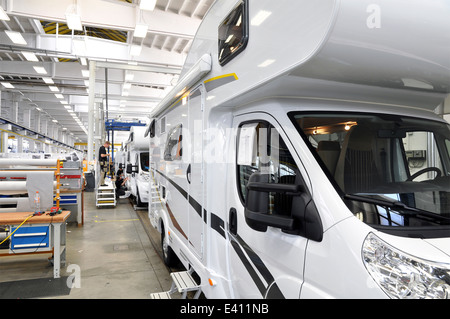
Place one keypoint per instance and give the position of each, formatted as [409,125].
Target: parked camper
[300,155]
[137,164]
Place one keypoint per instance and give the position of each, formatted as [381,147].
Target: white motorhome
[301,156]
[120,158]
[136,150]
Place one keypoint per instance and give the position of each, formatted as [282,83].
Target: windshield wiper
[395,205]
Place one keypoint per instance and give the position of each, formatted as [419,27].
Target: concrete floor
[114,253]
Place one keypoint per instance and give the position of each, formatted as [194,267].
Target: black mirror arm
[282,222]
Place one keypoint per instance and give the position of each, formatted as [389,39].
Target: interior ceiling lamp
[140,31]
[30,56]
[40,69]
[16,37]
[135,50]
[73,17]
[147,5]
[3,15]
[7,85]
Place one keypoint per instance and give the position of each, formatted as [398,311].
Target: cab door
[267,258]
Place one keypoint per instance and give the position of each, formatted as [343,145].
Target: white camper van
[301,156]
[137,164]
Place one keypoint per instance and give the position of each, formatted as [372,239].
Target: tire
[169,257]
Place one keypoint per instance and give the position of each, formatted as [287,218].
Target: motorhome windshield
[392,171]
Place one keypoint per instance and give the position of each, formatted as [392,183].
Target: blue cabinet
[30,237]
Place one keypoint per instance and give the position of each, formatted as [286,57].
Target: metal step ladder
[154,193]
[182,282]
[106,195]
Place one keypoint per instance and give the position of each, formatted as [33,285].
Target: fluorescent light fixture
[140,31]
[48,80]
[129,77]
[63,102]
[30,56]
[3,15]
[147,5]
[266,63]
[7,85]
[53,88]
[83,61]
[59,96]
[85,73]
[54,121]
[126,86]
[39,109]
[260,17]
[125,93]
[67,107]
[74,21]
[40,69]
[16,37]
[135,50]
[86,82]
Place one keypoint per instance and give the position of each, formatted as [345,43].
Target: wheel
[169,257]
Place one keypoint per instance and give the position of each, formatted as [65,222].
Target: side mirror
[303,219]
[129,168]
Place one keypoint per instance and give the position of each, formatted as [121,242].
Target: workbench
[39,234]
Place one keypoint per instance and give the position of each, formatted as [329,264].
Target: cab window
[262,150]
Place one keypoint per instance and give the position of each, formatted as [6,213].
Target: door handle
[232,221]
[188,174]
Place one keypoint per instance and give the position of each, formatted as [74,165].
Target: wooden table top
[17,218]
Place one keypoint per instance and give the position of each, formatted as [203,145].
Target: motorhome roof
[345,42]
[137,138]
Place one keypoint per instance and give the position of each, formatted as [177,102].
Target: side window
[173,149]
[233,33]
[270,156]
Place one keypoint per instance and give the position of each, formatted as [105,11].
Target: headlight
[403,276]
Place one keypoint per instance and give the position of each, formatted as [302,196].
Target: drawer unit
[66,199]
[30,237]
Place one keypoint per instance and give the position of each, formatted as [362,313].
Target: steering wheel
[425,170]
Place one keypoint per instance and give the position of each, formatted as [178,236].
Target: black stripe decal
[196,205]
[259,284]
[218,224]
[263,270]
[178,187]
[238,244]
